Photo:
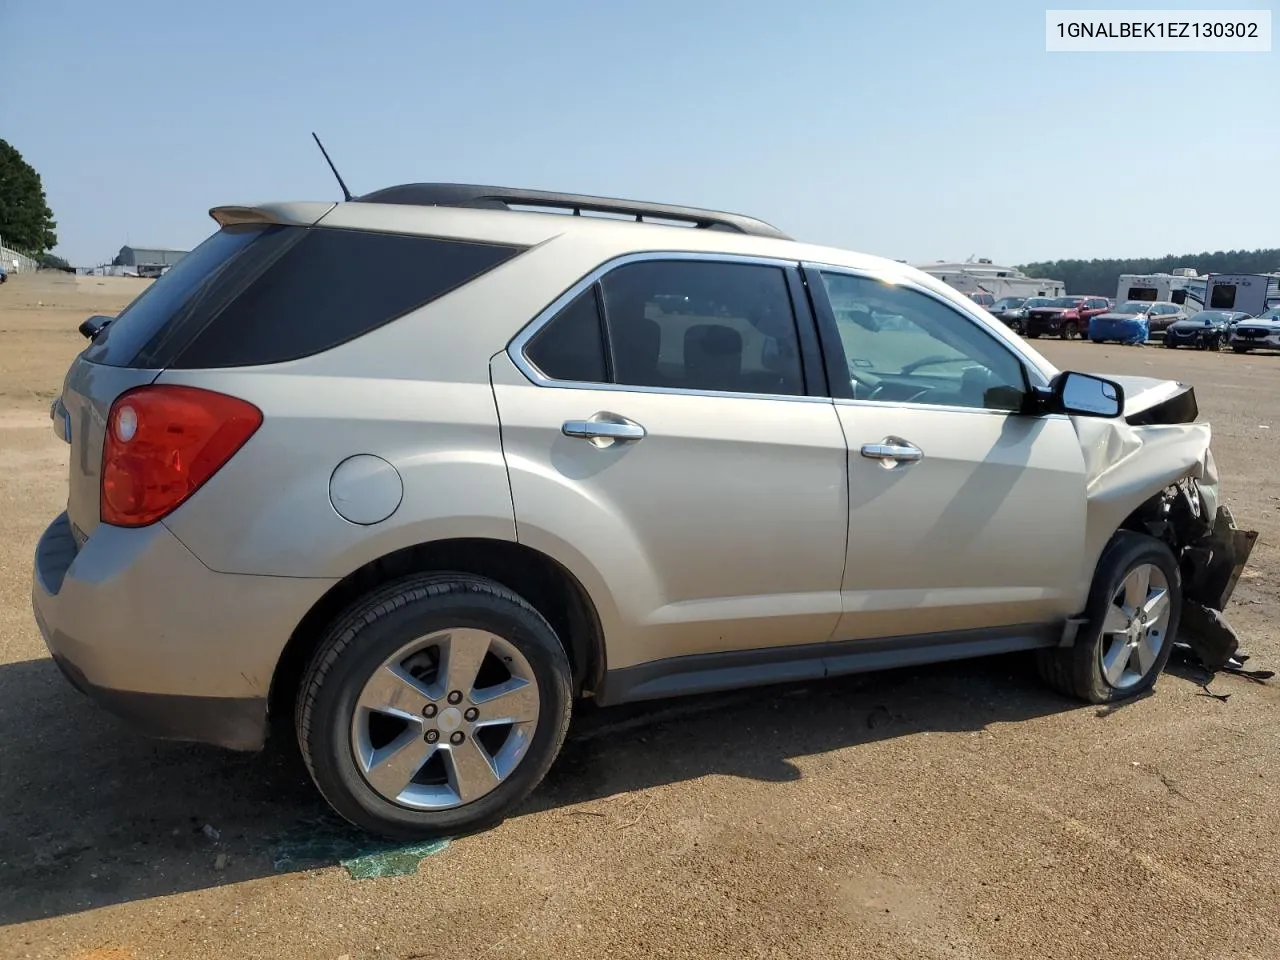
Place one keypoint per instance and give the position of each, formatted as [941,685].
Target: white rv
[1183,286]
[983,276]
[1251,293]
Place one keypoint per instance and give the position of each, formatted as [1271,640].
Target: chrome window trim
[516,348]
[945,407]
[1028,363]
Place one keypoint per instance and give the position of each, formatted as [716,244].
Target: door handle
[891,451]
[604,429]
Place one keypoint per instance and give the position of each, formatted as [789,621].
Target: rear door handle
[891,451]
[604,429]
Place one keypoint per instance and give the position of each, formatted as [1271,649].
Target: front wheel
[1070,330]
[1132,623]
[433,706]
[1239,349]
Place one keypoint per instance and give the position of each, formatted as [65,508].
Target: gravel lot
[960,811]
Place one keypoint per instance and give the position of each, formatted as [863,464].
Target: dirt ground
[959,811]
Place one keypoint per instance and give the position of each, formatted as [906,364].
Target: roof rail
[504,198]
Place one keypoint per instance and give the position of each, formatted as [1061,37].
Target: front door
[666,443]
[964,513]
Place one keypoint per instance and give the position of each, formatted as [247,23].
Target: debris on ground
[211,833]
[325,841]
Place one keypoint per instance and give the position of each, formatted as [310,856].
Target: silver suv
[421,470]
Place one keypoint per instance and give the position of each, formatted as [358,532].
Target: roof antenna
[346,194]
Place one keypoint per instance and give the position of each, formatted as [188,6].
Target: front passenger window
[903,346]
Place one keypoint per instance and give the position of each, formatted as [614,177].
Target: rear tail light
[163,443]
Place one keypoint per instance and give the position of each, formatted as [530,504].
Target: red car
[1065,317]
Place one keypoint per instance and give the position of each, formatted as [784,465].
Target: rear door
[668,438]
[963,513]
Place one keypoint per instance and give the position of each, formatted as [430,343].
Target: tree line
[1101,277]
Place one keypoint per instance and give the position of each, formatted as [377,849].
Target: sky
[913,129]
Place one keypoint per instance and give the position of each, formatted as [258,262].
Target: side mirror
[1085,395]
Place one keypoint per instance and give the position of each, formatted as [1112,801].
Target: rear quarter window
[330,287]
[266,294]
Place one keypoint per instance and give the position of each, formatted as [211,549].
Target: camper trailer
[1183,286]
[1250,293]
[983,276]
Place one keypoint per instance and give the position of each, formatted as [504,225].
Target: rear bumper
[134,620]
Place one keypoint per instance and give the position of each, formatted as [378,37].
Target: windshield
[1038,302]
[1065,302]
[1212,316]
[1007,302]
[1272,314]
[1133,306]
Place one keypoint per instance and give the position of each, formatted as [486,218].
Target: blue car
[1127,323]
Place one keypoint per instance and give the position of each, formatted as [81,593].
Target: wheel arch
[545,583]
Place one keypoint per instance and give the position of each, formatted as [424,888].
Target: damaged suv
[510,459]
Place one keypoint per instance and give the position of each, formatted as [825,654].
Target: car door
[669,440]
[963,513]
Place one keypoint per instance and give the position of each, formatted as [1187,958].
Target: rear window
[145,319]
[269,294]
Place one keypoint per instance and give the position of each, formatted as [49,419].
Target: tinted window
[571,346]
[703,325]
[902,346]
[192,279]
[329,287]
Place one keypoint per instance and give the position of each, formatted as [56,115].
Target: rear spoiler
[298,214]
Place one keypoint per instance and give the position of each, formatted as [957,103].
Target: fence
[15,262]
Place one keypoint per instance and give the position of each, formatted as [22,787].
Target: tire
[1070,330]
[1078,671]
[1167,343]
[1215,345]
[390,626]
[1239,349]
[1032,336]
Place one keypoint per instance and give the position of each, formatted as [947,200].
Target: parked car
[1016,318]
[1204,330]
[1259,333]
[4,274]
[982,299]
[419,514]
[1134,321]
[1005,305]
[1065,317]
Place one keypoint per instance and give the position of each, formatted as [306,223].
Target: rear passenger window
[571,347]
[702,325]
[329,287]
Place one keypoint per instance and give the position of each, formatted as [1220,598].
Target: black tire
[1032,336]
[1076,671]
[373,629]
[1070,330]
[1215,344]
[1239,349]
[1167,343]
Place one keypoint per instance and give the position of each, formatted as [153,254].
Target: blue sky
[917,130]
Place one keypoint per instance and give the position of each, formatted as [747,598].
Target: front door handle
[891,451]
[604,429]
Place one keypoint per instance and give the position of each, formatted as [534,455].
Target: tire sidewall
[333,763]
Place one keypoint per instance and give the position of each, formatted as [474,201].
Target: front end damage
[1152,472]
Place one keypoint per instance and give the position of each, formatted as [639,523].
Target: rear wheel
[433,706]
[1133,613]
